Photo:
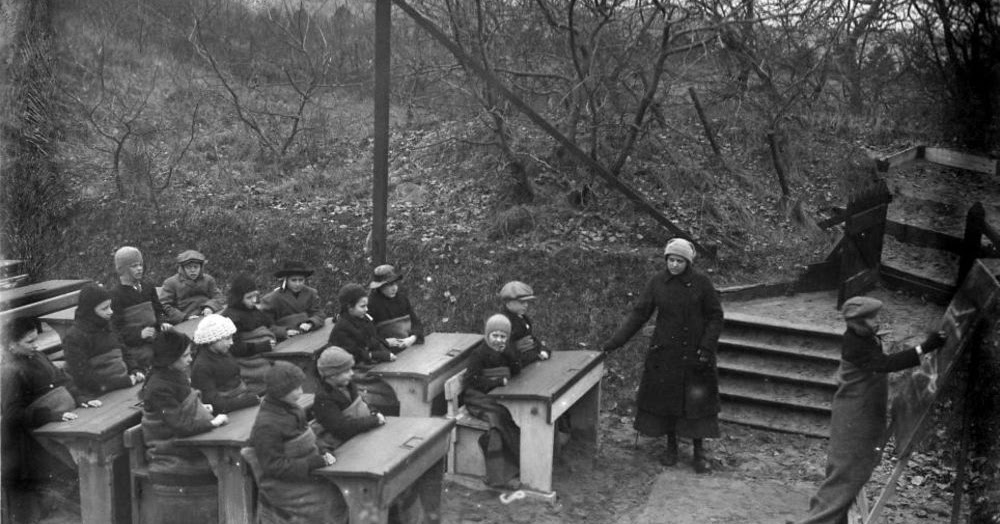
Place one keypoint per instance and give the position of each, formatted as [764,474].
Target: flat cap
[857,307]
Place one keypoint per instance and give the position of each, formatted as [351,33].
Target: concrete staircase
[777,375]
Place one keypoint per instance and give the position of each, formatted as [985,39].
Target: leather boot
[669,457]
[700,462]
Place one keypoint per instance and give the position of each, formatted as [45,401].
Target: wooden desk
[188,327]
[94,440]
[419,372]
[60,321]
[24,295]
[222,448]
[541,393]
[299,350]
[374,467]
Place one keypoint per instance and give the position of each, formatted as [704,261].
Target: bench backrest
[136,444]
[453,389]
[42,307]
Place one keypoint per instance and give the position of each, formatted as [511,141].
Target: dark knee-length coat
[688,319]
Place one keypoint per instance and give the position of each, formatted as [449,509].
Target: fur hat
[212,328]
[168,346]
[497,322]
[349,295]
[681,248]
[384,275]
[242,284]
[515,290]
[860,307]
[282,378]
[292,268]
[334,361]
[91,295]
[125,257]
[190,256]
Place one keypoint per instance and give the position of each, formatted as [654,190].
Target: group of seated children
[125,335]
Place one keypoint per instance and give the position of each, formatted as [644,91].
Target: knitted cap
[681,248]
[125,257]
[384,275]
[497,322]
[515,290]
[334,361]
[858,307]
[168,346]
[242,284]
[282,378]
[91,295]
[213,327]
[349,295]
[190,256]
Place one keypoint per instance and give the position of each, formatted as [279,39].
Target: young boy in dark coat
[191,293]
[94,353]
[516,297]
[295,307]
[340,410]
[137,312]
[395,320]
[215,372]
[253,332]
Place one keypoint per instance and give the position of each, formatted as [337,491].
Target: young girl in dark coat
[215,372]
[34,393]
[395,320]
[491,364]
[253,332]
[94,353]
[858,421]
[679,392]
[355,331]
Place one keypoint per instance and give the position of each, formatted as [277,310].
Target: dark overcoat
[688,318]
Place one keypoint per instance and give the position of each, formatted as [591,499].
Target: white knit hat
[212,328]
[681,248]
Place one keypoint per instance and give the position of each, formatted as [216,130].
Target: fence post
[971,242]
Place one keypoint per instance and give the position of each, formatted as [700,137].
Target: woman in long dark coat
[679,392]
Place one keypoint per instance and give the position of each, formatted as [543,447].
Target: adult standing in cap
[137,312]
[295,307]
[515,297]
[191,293]
[391,310]
[857,424]
[679,392]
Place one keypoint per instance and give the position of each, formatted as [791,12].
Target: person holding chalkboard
[857,426]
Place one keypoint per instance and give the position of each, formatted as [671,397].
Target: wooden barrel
[172,504]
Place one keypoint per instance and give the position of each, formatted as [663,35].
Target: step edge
[832,384]
[765,426]
[770,348]
[800,406]
[746,318]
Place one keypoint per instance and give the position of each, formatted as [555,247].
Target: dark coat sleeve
[331,416]
[270,448]
[866,353]
[203,378]
[170,409]
[711,312]
[78,348]
[639,315]
[416,326]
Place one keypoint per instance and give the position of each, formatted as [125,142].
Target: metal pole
[380,178]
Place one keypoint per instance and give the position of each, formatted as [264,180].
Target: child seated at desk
[295,307]
[253,332]
[171,408]
[285,452]
[516,297]
[391,311]
[94,356]
[34,393]
[137,313]
[215,371]
[491,364]
[191,293]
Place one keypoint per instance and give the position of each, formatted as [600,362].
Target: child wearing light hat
[515,297]
[295,307]
[339,408]
[190,293]
[137,312]
[391,310]
[215,372]
[859,408]
[492,363]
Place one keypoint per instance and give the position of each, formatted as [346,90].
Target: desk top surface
[120,409]
[546,379]
[236,433]
[425,360]
[305,344]
[387,448]
[188,327]
[67,315]
[19,296]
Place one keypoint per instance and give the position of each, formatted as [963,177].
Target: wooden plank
[947,157]
[897,159]
[918,236]
[866,219]
[43,307]
[24,295]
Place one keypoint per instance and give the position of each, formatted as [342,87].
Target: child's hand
[192,316]
[91,404]
[544,355]
[206,311]
[272,342]
[392,357]
[166,326]
[329,459]
[220,420]
[209,408]
[147,333]
[381,418]
[503,381]
[291,332]
[137,377]
[68,416]
[392,342]
[408,341]
[305,326]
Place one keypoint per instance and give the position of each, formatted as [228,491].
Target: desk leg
[235,486]
[586,415]
[98,501]
[429,487]
[411,394]
[363,501]
[537,444]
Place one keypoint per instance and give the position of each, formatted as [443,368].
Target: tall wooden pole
[380,178]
